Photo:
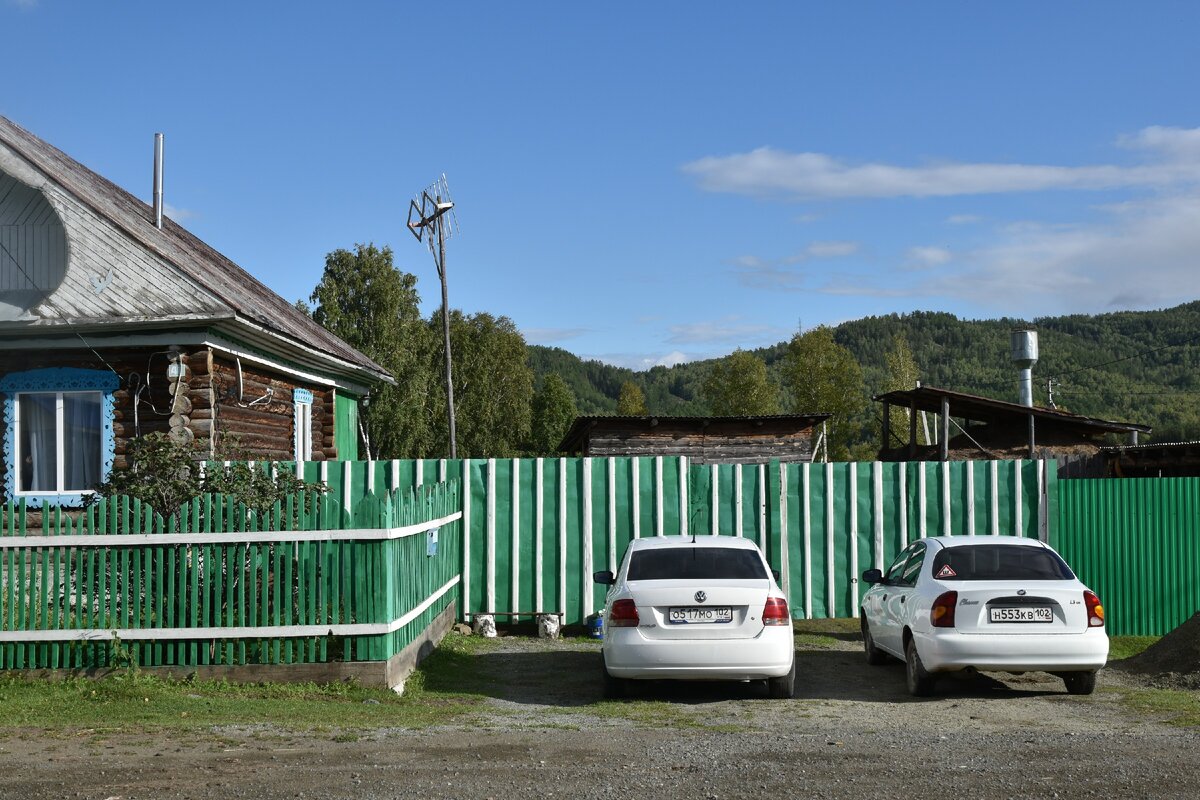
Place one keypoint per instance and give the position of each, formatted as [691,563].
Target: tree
[493,386]
[374,307]
[553,412]
[738,385]
[902,375]
[822,376]
[631,403]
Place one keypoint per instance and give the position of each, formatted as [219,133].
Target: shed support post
[944,444]
[887,426]
[1032,448]
[912,428]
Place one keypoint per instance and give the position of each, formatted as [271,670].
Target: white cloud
[783,274]
[644,361]
[963,219]
[178,214]
[729,330]
[929,256]
[24,4]
[1173,158]
[830,249]
[547,336]
[672,358]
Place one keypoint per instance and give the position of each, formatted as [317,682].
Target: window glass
[894,571]
[81,441]
[994,562]
[912,567]
[37,442]
[303,431]
[696,563]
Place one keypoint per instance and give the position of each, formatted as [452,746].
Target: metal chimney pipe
[1025,354]
[158,169]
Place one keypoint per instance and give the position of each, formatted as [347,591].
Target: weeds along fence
[311,580]
[536,529]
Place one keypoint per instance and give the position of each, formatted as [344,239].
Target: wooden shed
[112,327]
[705,440]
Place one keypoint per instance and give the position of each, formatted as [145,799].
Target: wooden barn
[705,440]
[116,322]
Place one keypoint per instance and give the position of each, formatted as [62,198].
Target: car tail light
[942,613]
[775,612]
[1095,611]
[623,615]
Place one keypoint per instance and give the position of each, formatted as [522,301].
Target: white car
[696,608]
[1003,604]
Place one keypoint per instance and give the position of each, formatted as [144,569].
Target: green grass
[823,634]
[1172,706]
[1128,646]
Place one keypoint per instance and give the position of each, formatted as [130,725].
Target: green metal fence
[309,580]
[538,528]
[1136,542]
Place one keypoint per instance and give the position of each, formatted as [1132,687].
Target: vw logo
[701,597]
[1021,592]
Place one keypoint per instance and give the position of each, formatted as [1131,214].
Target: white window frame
[59,445]
[303,435]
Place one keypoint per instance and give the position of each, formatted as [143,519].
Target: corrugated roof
[970,406]
[242,292]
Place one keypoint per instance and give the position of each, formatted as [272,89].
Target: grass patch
[1120,647]
[822,634]
[1172,706]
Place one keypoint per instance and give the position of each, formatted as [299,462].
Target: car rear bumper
[951,650]
[630,654]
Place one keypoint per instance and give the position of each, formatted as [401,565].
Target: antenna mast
[427,214]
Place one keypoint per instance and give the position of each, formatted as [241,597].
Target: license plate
[699,615]
[1034,614]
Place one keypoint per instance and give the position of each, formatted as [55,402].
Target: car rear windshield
[696,563]
[994,562]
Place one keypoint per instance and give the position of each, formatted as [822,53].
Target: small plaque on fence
[431,539]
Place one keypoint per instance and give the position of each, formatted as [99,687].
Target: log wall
[716,444]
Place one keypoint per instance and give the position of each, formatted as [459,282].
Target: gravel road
[851,731]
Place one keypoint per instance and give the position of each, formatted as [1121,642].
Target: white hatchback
[1003,604]
[696,608]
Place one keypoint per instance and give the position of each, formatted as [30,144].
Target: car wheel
[920,682]
[783,687]
[875,656]
[1079,682]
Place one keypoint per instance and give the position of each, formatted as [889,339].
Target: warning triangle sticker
[946,572]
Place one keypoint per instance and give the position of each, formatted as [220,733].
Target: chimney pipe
[158,169]
[1025,354]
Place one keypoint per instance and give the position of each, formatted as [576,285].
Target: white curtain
[39,454]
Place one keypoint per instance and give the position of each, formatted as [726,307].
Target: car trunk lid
[687,609]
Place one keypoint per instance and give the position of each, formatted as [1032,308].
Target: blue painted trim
[302,396]
[58,379]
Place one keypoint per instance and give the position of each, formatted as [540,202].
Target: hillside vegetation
[1132,366]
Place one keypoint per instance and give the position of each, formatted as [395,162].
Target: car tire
[1079,682]
[920,682]
[875,656]
[783,687]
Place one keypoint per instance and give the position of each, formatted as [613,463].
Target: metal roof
[583,425]
[985,409]
[249,299]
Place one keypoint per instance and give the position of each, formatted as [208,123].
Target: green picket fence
[217,583]
[1136,543]
[536,529]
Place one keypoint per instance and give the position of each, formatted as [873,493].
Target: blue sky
[655,182]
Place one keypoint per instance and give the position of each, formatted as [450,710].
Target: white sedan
[1003,604]
[696,608]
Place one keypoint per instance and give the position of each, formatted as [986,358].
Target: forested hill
[1135,366]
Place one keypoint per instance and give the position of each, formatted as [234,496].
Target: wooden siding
[716,444]
[201,407]
[33,245]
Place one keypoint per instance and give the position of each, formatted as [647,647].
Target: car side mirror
[873,576]
[604,577]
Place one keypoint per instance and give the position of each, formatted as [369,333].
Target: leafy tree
[553,412]
[493,386]
[163,474]
[632,403]
[738,385]
[902,374]
[374,307]
[823,376]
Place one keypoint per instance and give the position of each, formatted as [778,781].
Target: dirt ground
[851,731]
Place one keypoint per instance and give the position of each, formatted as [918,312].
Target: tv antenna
[431,219]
